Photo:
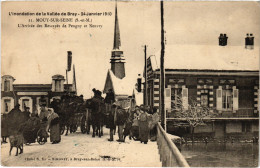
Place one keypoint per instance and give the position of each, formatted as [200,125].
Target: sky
[33,56]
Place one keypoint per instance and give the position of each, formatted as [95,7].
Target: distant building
[226,79]
[29,95]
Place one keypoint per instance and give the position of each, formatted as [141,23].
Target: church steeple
[117,58]
[117,42]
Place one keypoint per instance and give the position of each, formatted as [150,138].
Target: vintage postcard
[130,84]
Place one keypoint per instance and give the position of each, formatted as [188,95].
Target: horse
[96,106]
[67,116]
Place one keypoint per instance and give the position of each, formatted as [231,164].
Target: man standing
[111,122]
[121,117]
[110,109]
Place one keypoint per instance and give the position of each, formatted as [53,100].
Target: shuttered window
[168,99]
[7,85]
[176,94]
[57,86]
[235,99]
[168,92]
[219,98]
[204,100]
[227,100]
[185,98]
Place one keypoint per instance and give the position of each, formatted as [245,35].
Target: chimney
[222,39]
[69,60]
[139,83]
[249,41]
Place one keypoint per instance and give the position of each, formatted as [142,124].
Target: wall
[204,128]
[232,127]
[244,84]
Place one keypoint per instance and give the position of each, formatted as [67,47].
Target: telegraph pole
[162,75]
[145,77]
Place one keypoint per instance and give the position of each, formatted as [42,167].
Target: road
[79,149]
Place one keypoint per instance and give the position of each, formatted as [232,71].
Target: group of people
[48,115]
[138,123]
[26,123]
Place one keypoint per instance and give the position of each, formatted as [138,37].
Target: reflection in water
[221,154]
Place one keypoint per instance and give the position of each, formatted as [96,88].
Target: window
[177,81]
[176,95]
[227,99]
[204,98]
[7,85]
[7,105]
[227,82]
[57,86]
[25,103]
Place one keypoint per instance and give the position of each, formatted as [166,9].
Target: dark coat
[30,130]
[143,127]
[14,120]
[55,121]
[26,116]
[111,121]
[121,116]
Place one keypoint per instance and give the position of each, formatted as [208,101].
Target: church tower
[117,59]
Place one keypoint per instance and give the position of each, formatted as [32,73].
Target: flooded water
[221,154]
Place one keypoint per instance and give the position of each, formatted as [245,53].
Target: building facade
[224,79]
[29,95]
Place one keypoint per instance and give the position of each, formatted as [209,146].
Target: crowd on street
[138,122]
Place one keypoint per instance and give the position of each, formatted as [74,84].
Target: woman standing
[143,126]
[53,123]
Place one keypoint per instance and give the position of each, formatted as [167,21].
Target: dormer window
[57,86]
[249,41]
[222,39]
[7,85]
[58,83]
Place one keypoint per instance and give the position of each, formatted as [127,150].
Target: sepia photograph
[130,83]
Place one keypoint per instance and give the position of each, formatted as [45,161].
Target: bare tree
[194,114]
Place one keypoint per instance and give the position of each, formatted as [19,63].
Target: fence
[170,155]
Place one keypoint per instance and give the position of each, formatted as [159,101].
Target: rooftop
[205,57]
[123,86]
